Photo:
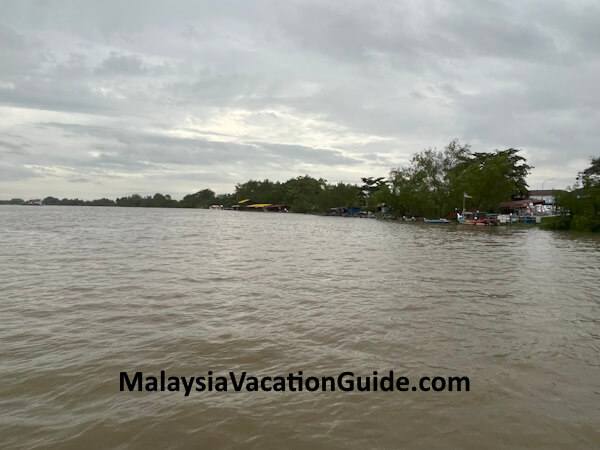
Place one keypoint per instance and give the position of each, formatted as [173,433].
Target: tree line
[432,184]
[78,202]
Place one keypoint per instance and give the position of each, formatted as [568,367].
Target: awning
[521,203]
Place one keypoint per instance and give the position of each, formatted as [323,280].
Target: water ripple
[89,292]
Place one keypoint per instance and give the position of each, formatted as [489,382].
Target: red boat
[478,218]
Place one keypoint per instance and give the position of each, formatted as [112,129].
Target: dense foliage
[581,205]
[431,185]
[301,194]
[434,182]
[78,202]
[12,201]
[157,201]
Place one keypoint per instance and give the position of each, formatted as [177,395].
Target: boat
[436,221]
[477,218]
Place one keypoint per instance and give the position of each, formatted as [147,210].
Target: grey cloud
[419,38]
[141,150]
[57,95]
[379,159]
[119,64]
[493,30]
[9,172]
[129,65]
[384,78]
[305,154]
[206,176]
[217,89]
[16,149]
[19,54]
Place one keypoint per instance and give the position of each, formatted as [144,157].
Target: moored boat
[477,218]
[436,221]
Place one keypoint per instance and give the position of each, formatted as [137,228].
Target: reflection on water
[89,292]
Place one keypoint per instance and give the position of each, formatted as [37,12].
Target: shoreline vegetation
[433,184]
[581,203]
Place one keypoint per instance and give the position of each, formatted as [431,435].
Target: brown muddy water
[87,293]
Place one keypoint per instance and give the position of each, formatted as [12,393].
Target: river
[87,293]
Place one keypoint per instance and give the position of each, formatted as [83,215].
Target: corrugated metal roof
[521,203]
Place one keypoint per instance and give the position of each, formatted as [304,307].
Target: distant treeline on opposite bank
[433,184]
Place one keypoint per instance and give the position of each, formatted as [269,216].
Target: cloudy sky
[108,98]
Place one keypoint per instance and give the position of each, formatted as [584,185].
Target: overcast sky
[109,98]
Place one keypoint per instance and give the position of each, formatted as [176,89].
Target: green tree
[205,197]
[369,187]
[383,195]
[101,202]
[51,201]
[340,194]
[259,191]
[490,178]
[580,206]
[224,199]
[301,193]
[161,201]
[424,187]
[591,175]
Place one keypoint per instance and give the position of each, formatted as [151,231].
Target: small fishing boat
[436,221]
[477,218]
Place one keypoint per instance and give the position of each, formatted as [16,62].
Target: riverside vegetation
[432,184]
[580,204]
